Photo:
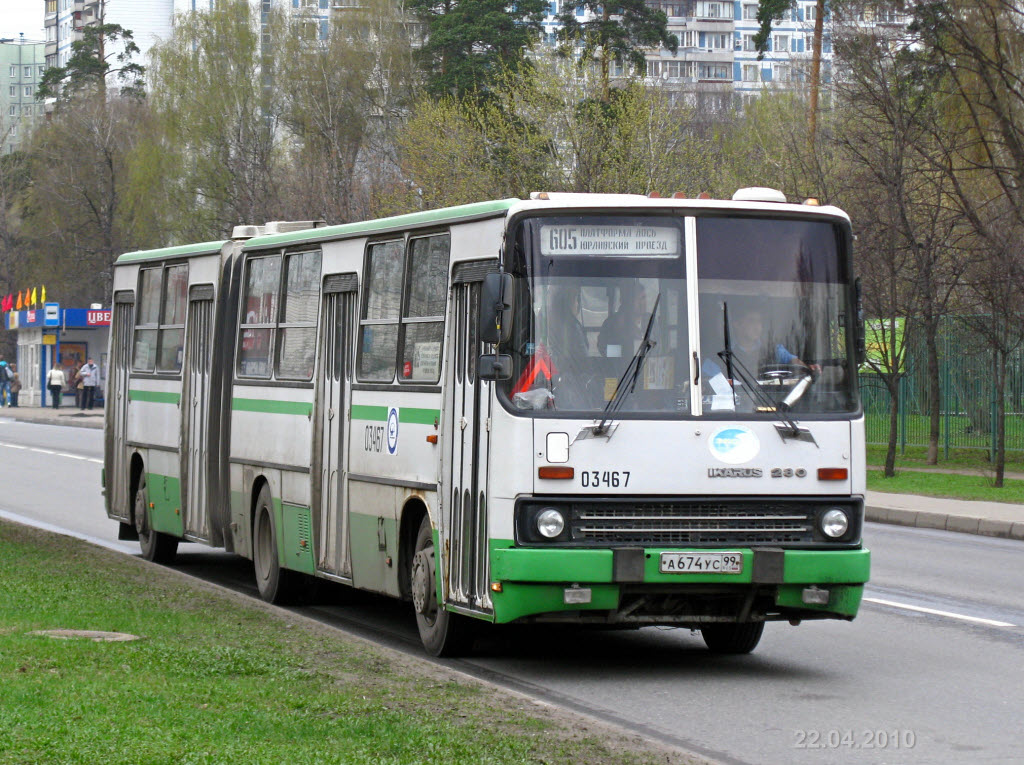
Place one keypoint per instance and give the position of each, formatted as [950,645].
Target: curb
[963,524]
[69,420]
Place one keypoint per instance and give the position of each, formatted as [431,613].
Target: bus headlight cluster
[834,522]
[550,522]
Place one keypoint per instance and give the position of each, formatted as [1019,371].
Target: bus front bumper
[627,587]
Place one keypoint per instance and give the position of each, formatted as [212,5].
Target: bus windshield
[589,287]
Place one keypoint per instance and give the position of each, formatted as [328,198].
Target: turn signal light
[558,473]
[432,438]
[832,474]
[495,586]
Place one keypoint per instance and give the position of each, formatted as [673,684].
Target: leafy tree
[105,51]
[340,98]
[548,131]
[619,32]
[78,209]
[469,43]
[217,120]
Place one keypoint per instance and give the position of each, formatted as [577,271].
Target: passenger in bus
[557,372]
[623,330]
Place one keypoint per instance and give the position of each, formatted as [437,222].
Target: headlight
[834,523]
[550,522]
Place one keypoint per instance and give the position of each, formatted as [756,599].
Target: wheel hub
[422,583]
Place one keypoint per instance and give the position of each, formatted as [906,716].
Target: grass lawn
[946,485]
[219,679]
[958,458]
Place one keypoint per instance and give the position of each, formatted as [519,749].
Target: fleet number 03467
[596,479]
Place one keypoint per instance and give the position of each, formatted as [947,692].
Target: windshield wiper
[734,366]
[631,374]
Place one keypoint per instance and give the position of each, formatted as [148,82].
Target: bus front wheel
[156,546]
[732,638]
[276,585]
[442,632]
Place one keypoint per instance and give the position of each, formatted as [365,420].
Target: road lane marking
[51,452]
[936,612]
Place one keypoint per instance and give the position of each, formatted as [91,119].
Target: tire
[441,632]
[156,546]
[276,585]
[732,638]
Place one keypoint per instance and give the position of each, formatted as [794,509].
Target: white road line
[936,612]
[51,452]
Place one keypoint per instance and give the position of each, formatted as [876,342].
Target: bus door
[330,517]
[116,395]
[464,519]
[195,415]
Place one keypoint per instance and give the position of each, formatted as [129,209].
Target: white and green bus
[583,409]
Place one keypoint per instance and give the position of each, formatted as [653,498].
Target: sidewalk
[66,415]
[994,519]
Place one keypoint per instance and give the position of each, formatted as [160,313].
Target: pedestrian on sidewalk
[15,385]
[90,376]
[55,382]
[5,383]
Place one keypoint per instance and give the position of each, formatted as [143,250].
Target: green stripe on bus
[182,251]
[154,396]
[425,217]
[270,406]
[405,414]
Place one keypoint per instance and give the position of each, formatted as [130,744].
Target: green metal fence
[967,394]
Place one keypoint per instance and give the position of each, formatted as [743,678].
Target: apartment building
[21,67]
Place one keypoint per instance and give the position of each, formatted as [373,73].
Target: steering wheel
[780,374]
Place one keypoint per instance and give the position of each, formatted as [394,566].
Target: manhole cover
[94,635]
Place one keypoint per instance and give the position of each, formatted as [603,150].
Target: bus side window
[296,334]
[258,315]
[378,331]
[423,318]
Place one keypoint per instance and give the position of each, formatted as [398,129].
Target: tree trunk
[1000,422]
[934,392]
[819,28]
[892,384]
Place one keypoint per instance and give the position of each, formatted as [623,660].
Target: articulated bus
[607,410]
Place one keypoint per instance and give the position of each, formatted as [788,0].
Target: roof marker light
[759,194]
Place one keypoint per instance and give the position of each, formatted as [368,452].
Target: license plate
[701,563]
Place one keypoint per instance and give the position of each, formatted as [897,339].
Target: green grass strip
[216,678]
[968,487]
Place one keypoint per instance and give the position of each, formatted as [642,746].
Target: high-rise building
[717,62]
[21,67]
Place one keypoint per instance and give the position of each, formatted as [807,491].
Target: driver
[751,349]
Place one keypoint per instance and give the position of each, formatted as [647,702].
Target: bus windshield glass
[591,285]
[781,289]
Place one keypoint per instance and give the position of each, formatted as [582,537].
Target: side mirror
[858,330]
[494,366]
[496,299]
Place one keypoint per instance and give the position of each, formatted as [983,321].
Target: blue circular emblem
[734,445]
[392,430]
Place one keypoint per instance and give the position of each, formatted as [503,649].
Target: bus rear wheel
[441,632]
[732,638]
[276,585]
[156,546]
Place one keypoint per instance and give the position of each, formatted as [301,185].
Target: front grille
[672,524]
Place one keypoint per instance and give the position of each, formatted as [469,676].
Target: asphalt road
[932,671]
